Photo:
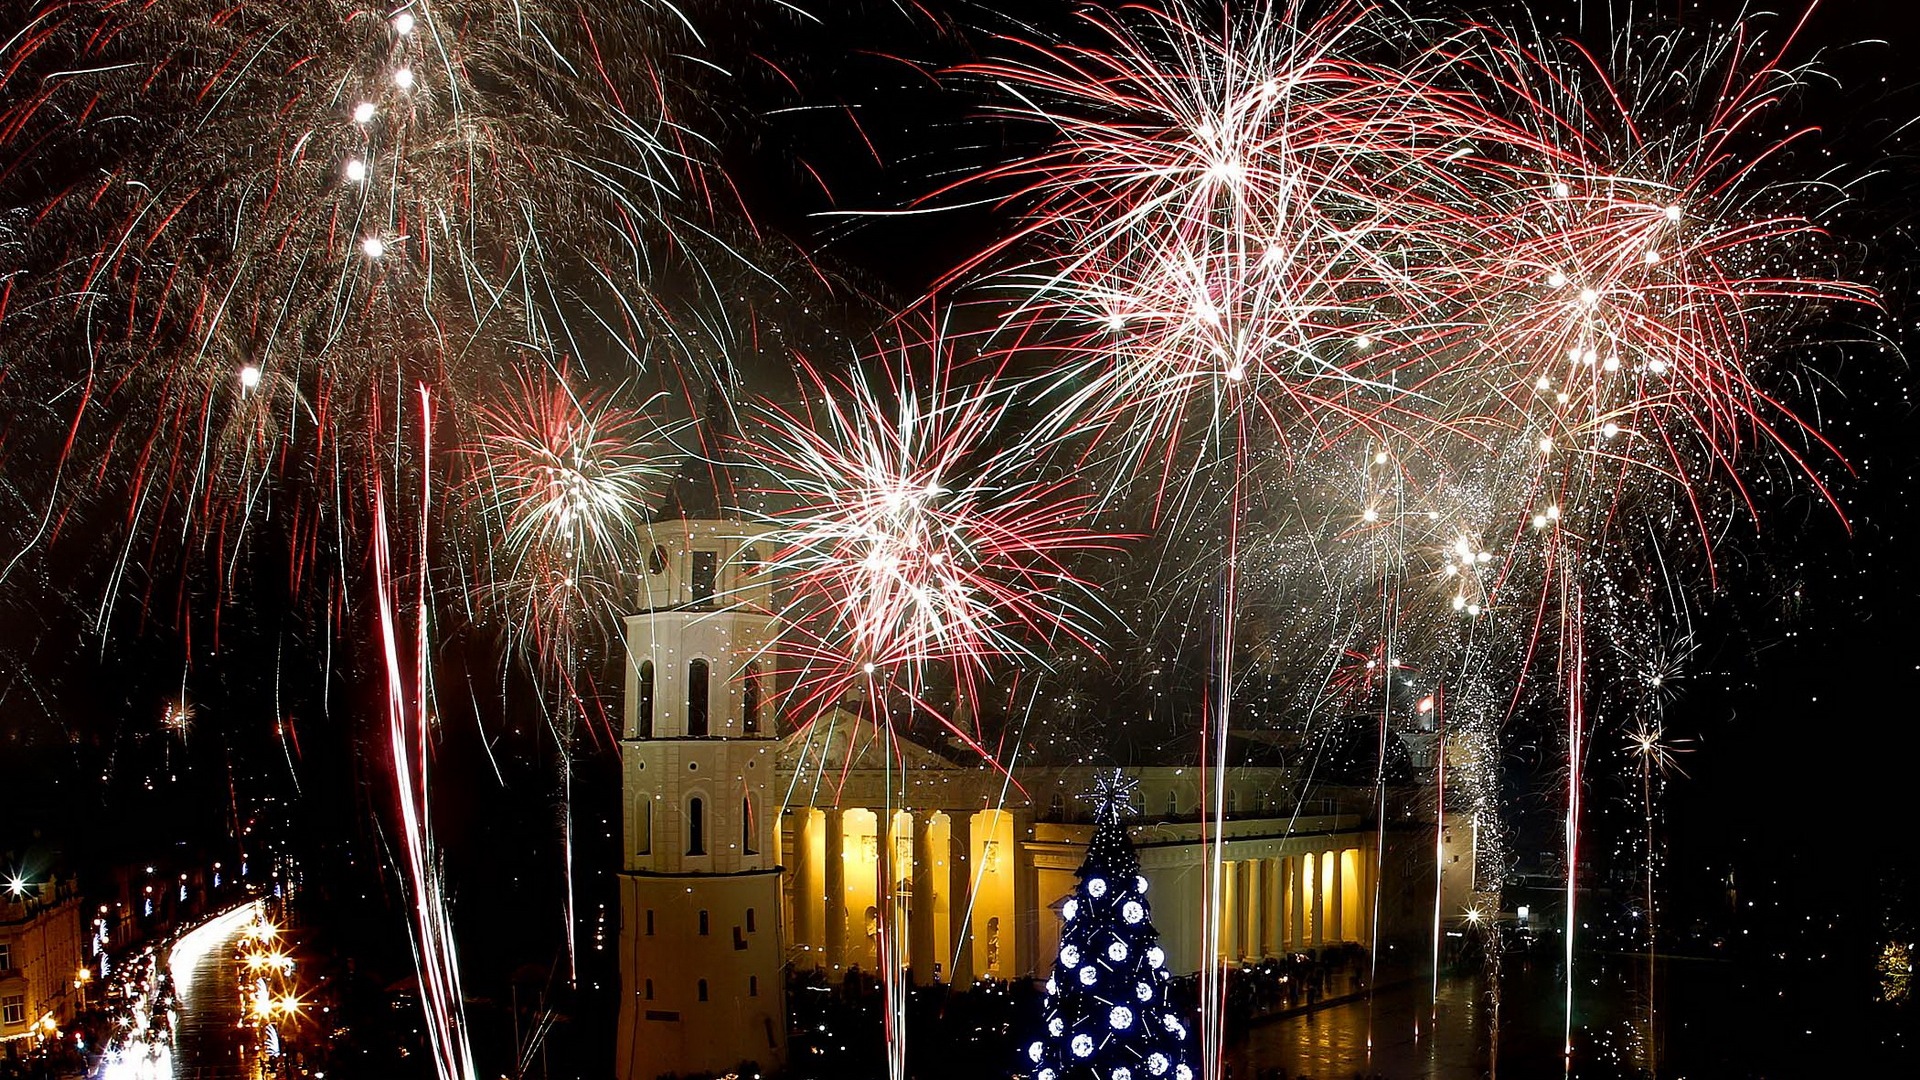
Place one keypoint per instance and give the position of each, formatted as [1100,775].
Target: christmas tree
[1106,1011]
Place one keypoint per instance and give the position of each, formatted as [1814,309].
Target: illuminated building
[40,954]
[746,855]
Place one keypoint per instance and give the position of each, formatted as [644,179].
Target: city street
[212,1038]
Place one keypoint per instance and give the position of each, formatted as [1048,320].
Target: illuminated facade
[40,958]
[963,840]
[746,856]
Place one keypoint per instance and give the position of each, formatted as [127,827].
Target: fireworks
[1437,355]
[1533,299]
[911,540]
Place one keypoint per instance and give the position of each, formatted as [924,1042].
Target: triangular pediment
[842,741]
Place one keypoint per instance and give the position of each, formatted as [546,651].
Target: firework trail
[238,234]
[1537,292]
[912,543]
[912,537]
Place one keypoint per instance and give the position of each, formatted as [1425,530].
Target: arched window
[703,989]
[1233,801]
[750,701]
[646,699]
[657,559]
[697,699]
[643,827]
[746,826]
[696,826]
[1173,803]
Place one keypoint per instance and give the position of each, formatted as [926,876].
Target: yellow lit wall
[993,866]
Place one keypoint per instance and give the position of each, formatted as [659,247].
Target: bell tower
[701,962]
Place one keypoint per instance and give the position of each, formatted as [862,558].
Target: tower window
[649,989]
[750,701]
[657,559]
[703,924]
[643,830]
[697,699]
[706,573]
[649,922]
[645,723]
[697,834]
[750,921]
[1173,804]
[753,986]
[703,989]
[750,559]
[746,826]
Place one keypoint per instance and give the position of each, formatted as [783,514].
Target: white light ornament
[1140,884]
[1070,909]
[1121,1072]
[1052,987]
[1035,1051]
[1070,955]
[1056,1027]
[1132,911]
[1120,1017]
[1182,1072]
[1156,956]
[1157,1064]
[1082,1045]
[1117,951]
[1088,976]
[1143,991]
[1096,887]
[1047,1074]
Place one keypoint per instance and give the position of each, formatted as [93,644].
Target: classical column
[960,894]
[921,948]
[1317,881]
[1256,908]
[835,910]
[1296,902]
[1270,907]
[1026,900]
[804,892]
[1337,925]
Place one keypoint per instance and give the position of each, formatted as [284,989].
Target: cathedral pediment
[842,741]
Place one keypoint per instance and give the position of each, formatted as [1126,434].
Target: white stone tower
[701,961]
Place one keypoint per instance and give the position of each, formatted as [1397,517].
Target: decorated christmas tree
[1106,1012]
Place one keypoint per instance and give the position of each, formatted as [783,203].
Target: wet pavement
[212,1038]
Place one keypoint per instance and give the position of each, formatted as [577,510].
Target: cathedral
[749,853]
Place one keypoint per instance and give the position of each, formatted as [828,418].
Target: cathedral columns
[808,891]
[1317,885]
[1256,916]
[1026,901]
[1271,907]
[921,947]
[960,895]
[1337,899]
[835,942]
